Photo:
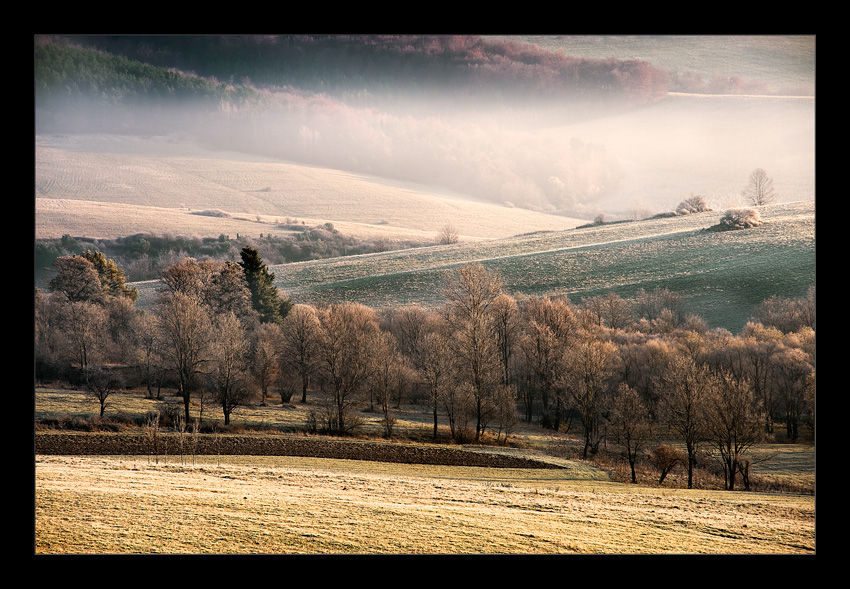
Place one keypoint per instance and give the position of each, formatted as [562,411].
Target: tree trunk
[435,422]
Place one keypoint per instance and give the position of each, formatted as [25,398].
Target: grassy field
[288,505]
[720,276]
[114,505]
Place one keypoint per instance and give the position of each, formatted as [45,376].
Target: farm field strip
[112,505]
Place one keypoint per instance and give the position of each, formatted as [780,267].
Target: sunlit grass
[281,505]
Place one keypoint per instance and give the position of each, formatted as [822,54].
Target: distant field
[154,183]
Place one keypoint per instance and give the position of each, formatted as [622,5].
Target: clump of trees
[640,377]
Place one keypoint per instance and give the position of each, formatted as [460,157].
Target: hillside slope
[722,277]
[135,173]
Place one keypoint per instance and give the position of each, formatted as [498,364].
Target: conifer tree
[265,296]
[112,278]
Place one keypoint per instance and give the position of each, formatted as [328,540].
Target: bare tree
[448,234]
[152,364]
[347,338]
[83,329]
[591,364]
[685,387]
[435,368]
[631,423]
[184,328]
[458,401]
[790,377]
[219,286]
[471,292]
[123,327]
[505,412]
[229,372]
[265,361]
[734,423]
[610,310]
[505,314]
[759,190]
[548,327]
[665,458]
[101,383]
[387,376]
[300,335]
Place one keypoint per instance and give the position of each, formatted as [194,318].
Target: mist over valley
[392,138]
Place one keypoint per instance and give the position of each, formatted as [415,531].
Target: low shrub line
[66,443]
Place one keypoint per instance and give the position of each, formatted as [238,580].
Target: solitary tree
[101,383]
[448,234]
[759,190]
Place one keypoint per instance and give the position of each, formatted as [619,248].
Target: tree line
[614,370]
[146,256]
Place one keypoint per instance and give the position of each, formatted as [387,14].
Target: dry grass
[108,505]
[278,505]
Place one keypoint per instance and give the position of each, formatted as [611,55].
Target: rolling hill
[720,276]
[112,186]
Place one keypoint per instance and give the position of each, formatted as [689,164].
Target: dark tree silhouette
[265,296]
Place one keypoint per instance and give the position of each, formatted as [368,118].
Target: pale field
[112,505]
[288,505]
[110,186]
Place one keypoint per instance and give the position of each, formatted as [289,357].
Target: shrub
[692,204]
[665,458]
[739,219]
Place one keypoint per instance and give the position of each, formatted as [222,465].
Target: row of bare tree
[619,370]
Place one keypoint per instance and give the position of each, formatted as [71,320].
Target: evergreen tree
[265,296]
[112,278]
